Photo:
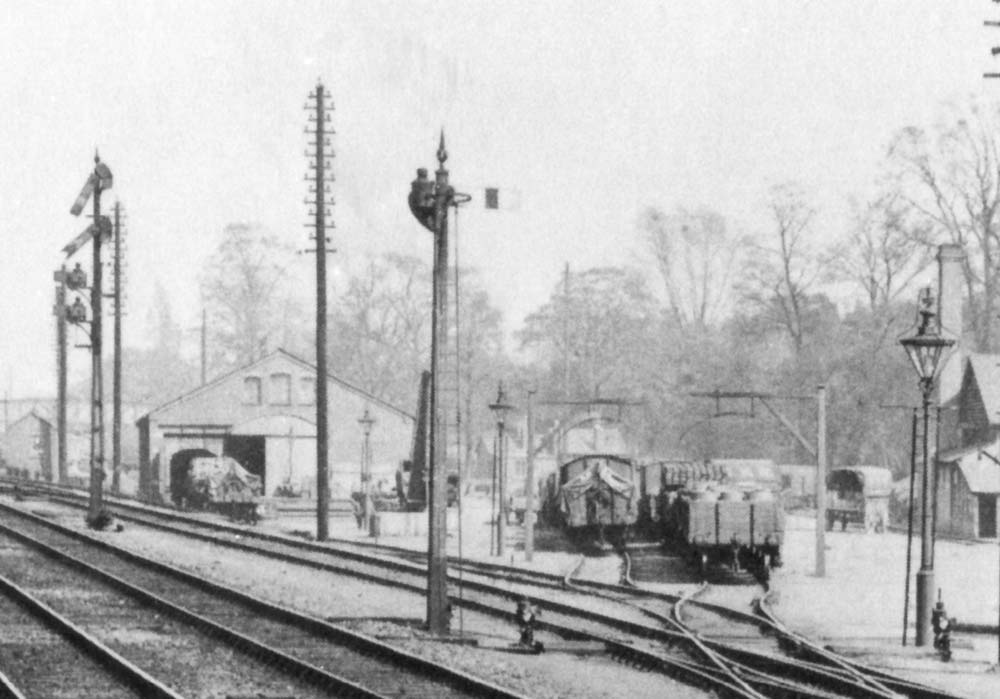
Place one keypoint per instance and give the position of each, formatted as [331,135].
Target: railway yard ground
[855,609]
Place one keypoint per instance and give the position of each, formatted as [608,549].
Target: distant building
[968,480]
[264,416]
[33,410]
[26,447]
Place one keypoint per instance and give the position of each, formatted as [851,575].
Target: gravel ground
[856,607]
[394,616]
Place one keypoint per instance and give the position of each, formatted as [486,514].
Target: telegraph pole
[565,333]
[96,372]
[319,165]
[204,347]
[821,481]
[116,419]
[529,487]
[61,352]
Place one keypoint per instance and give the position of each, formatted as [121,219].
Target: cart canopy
[871,481]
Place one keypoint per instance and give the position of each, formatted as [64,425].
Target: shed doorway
[987,516]
[249,451]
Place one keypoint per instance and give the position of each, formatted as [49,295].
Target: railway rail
[302,650]
[72,657]
[639,636]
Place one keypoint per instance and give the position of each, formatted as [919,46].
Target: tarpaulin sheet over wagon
[597,478]
[222,479]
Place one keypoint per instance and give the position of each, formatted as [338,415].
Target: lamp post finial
[442,153]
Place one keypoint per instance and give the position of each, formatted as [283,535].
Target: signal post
[429,202]
[98,180]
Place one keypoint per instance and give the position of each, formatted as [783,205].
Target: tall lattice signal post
[99,180]
[320,174]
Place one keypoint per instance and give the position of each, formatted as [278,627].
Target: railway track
[635,623]
[561,619]
[44,654]
[750,640]
[300,652]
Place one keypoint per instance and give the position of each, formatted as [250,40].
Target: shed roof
[985,369]
[289,356]
[31,414]
[981,471]
[980,466]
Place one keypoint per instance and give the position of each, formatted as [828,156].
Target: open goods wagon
[717,523]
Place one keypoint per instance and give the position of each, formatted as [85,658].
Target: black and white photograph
[555,349]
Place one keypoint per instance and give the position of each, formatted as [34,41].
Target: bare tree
[888,245]
[244,289]
[481,357]
[952,177]
[602,326]
[781,273]
[380,330]
[695,257]
[381,336]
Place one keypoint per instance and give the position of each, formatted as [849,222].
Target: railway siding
[361,661]
[585,625]
[72,658]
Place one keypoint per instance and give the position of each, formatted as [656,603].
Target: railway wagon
[219,484]
[858,494]
[595,499]
[714,524]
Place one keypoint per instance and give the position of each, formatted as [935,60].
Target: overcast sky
[588,111]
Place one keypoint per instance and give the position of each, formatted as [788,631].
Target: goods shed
[264,416]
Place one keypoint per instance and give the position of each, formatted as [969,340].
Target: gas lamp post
[500,409]
[924,348]
[366,421]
